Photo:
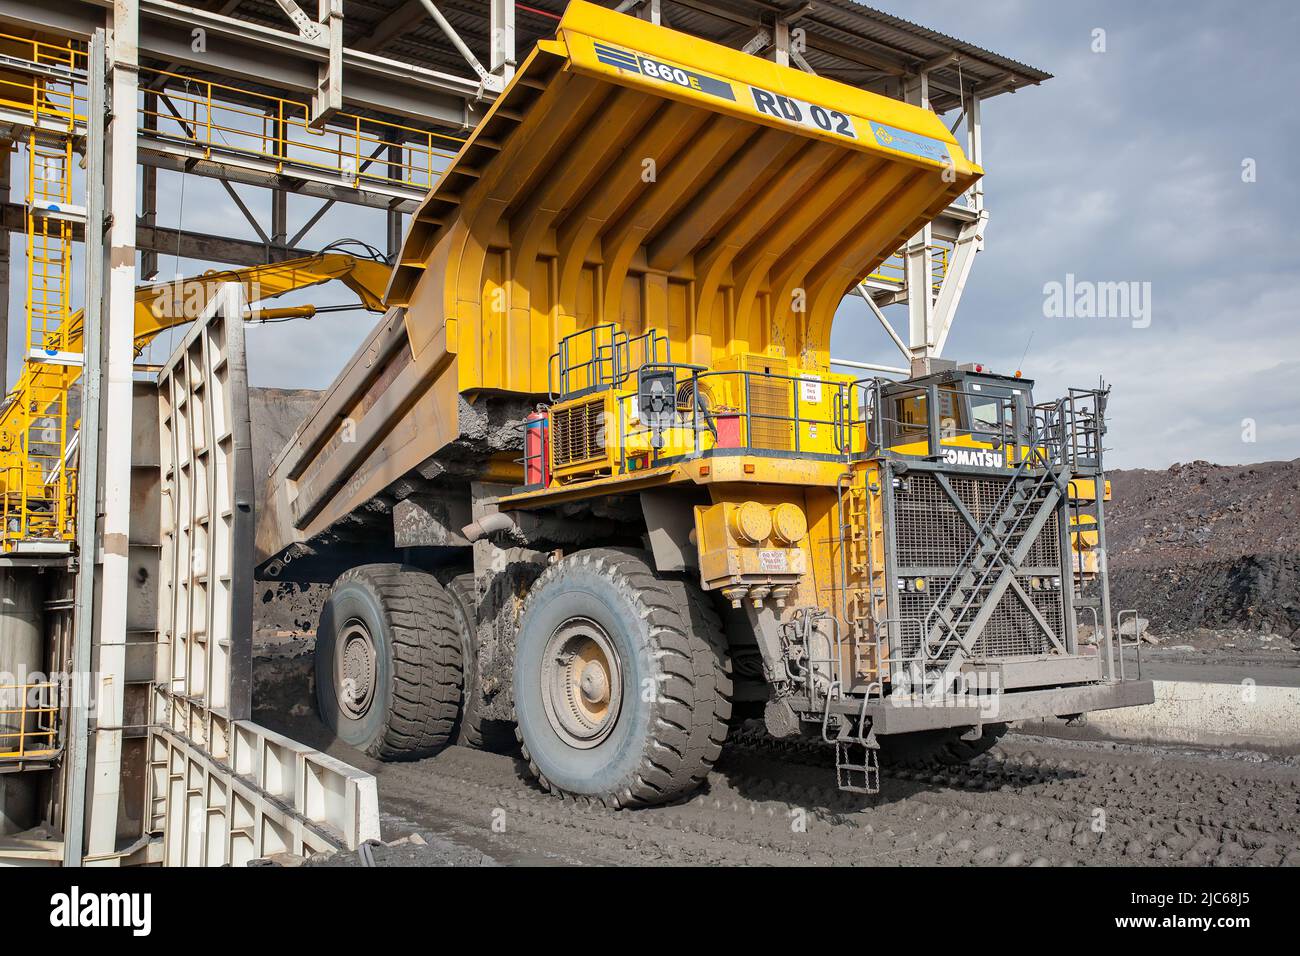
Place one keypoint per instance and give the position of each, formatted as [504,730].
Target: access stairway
[990,566]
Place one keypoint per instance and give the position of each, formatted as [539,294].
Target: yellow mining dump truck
[593,473]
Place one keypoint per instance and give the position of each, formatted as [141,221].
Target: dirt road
[1031,802]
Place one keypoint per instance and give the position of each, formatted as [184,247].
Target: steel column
[74,824]
[6,163]
[916,254]
[119,335]
[502,31]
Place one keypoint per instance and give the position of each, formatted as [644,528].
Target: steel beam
[917,261]
[149,191]
[501,28]
[975,151]
[883,320]
[253,171]
[486,80]
[969,241]
[277,58]
[6,163]
[179,242]
[327,98]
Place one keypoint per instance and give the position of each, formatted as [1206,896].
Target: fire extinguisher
[537,449]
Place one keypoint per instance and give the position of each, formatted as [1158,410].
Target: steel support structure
[107,557]
[6,240]
[75,783]
[917,262]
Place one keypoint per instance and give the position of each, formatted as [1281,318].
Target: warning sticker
[773,562]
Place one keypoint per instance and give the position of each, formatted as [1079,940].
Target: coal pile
[1208,546]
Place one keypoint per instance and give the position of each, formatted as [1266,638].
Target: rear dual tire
[389,662]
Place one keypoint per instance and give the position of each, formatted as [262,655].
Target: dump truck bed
[629,175]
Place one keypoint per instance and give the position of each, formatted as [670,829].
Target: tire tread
[693,707]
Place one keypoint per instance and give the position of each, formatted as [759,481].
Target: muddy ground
[1031,802]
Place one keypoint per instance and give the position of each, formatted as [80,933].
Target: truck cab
[981,418]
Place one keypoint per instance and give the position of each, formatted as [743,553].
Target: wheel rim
[582,684]
[355,669]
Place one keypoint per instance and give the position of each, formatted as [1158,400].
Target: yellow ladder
[38,503]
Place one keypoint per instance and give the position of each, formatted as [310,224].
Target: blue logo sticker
[912,143]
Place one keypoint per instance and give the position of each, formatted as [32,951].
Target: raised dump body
[593,472]
[630,176]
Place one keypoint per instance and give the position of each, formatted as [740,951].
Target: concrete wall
[1240,716]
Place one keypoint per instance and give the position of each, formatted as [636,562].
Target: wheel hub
[581,683]
[355,669]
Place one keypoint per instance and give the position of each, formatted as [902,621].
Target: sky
[1127,166]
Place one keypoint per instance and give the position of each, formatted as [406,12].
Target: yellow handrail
[30,729]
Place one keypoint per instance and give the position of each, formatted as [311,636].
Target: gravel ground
[1030,802]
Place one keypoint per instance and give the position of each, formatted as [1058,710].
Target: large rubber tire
[667,638]
[928,747]
[415,699]
[463,591]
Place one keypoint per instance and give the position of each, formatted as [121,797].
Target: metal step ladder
[857,776]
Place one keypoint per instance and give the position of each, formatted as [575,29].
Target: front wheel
[622,681]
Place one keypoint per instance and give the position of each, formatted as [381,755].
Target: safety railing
[223,118]
[29,720]
[1082,427]
[603,356]
[48,80]
[44,79]
[731,412]
[894,269]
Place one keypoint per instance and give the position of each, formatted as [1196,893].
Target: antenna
[1025,354]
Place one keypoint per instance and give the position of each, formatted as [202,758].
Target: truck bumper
[909,714]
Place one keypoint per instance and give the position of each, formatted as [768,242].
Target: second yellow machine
[593,473]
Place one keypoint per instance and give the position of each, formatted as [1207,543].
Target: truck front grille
[930,538]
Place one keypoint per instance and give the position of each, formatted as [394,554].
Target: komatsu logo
[973,456]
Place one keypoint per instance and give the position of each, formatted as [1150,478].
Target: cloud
[1127,167]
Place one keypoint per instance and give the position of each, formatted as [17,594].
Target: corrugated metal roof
[846,40]
[919,40]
